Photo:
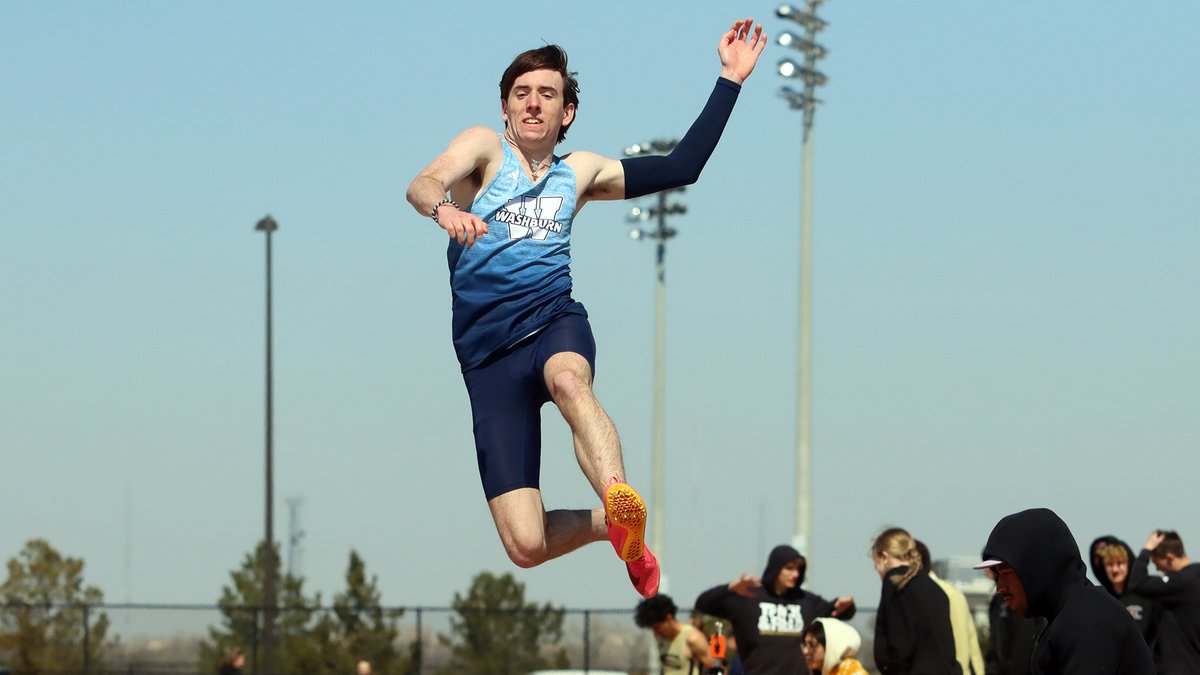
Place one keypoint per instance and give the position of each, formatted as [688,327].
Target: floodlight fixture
[656,146]
[814,78]
[796,99]
[802,45]
[806,18]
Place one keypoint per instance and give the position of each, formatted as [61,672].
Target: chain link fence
[146,639]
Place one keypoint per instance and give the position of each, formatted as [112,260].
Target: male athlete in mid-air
[520,337]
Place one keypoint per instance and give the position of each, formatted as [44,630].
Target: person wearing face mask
[769,613]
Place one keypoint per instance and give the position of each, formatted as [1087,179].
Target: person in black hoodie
[1178,590]
[1112,560]
[769,614]
[1035,560]
[913,633]
[1010,643]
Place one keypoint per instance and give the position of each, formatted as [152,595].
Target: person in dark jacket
[1035,560]
[913,633]
[1112,560]
[769,614]
[1010,642]
[1178,591]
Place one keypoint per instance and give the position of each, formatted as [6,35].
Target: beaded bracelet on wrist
[433,212]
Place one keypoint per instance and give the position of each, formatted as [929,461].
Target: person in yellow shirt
[682,647]
[966,636]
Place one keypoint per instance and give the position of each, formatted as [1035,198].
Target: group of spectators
[1046,616]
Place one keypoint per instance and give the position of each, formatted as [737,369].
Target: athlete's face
[534,110]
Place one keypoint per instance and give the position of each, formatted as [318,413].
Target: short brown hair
[1171,543]
[550,57]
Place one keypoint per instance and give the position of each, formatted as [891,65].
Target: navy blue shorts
[507,393]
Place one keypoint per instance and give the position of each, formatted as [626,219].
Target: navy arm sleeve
[646,175]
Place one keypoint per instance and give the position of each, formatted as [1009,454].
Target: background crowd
[1045,617]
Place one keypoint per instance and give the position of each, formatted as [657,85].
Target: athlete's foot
[625,515]
[644,573]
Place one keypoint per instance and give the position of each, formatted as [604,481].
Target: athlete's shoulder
[479,138]
[584,158]
[590,168]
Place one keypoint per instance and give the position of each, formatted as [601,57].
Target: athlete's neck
[538,160]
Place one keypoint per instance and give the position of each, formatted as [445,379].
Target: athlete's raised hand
[739,49]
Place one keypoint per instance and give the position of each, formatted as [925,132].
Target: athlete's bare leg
[531,535]
[597,445]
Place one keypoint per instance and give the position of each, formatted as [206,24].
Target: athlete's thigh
[567,344]
[519,516]
[506,399]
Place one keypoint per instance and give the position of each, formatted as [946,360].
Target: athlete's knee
[525,551]
[567,385]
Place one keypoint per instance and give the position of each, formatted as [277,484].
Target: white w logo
[531,215]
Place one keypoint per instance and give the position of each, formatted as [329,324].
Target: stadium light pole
[268,225]
[806,102]
[659,235]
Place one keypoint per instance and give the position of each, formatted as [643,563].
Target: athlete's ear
[568,114]
[504,111]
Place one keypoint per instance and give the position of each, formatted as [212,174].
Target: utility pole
[805,101]
[270,592]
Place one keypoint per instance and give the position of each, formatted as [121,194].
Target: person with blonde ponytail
[913,633]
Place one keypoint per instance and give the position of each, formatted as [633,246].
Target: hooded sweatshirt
[842,642]
[1087,631]
[768,626]
[913,633]
[1143,610]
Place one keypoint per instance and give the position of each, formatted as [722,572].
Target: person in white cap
[1035,561]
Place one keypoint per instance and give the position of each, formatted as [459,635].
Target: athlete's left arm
[632,177]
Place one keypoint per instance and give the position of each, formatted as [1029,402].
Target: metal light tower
[659,235]
[805,101]
[270,594]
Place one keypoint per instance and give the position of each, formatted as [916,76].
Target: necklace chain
[534,165]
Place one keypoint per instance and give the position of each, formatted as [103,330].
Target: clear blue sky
[1007,276]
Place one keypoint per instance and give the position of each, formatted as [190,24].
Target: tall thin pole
[806,102]
[804,363]
[268,225]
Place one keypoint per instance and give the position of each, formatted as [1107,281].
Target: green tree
[363,629]
[497,633]
[45,611]
[304,644]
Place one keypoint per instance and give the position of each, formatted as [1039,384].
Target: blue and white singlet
[516,278]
